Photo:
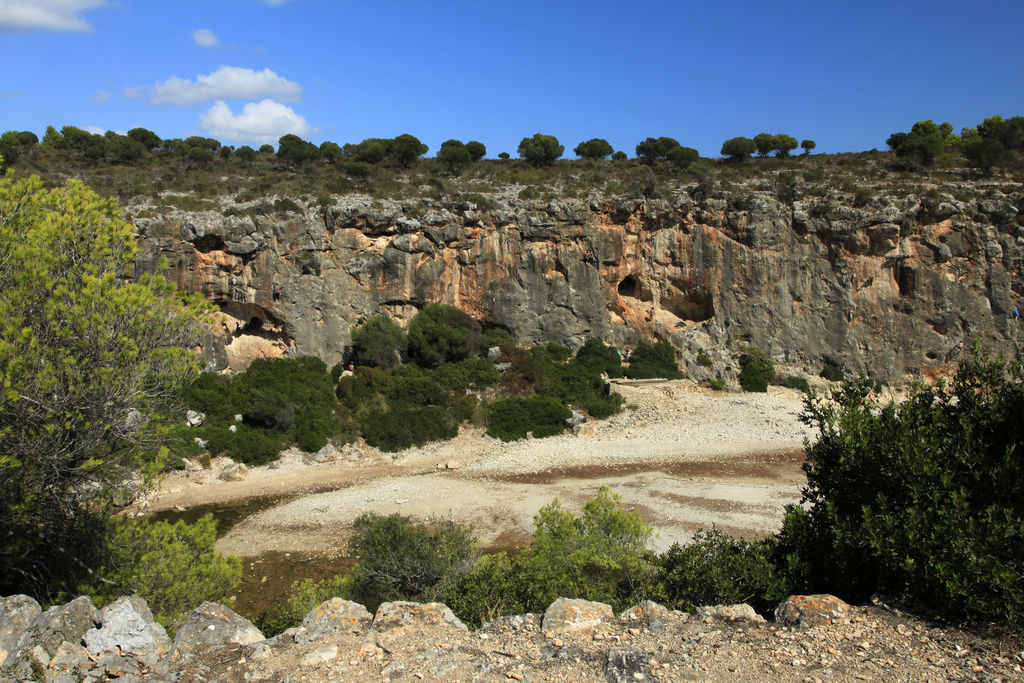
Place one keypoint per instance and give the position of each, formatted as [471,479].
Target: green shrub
[597,356]
[379,342]
[472,373]
[441,334]
[923,500]
[402,560]
[650,361]
[599,555]
[757,370]
[795,382]
[250,445]
[833,373]
[173,566]
[402,428]
[704,360]
[512,418]
[717,383]
[716,569]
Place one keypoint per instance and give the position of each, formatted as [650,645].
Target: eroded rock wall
[893,287]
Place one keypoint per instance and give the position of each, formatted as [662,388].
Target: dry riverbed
[685,457]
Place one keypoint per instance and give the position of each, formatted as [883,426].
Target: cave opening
[906,280]
[695,306]
[632,287]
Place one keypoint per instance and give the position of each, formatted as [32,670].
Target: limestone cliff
[894,286]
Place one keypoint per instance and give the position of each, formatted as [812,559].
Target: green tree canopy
[454,155]
[807,146]
[476,149]
[92,365]
[595,148]
[656,148]
[293,150]
[738,149]
[147,138]
[540,150]
[784,144]
[765,143]
[922,144]
[405,149]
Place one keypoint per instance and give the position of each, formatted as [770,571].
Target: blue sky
[247,71]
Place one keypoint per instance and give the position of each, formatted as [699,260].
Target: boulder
[213,623]
[740,612]
[576,417]
[17,613]
[493,354]
[326,454]
[127,627]
[233,471]
[194,418]
[321,655]
[398,614]
[333,616]
[810,610]
[67,622]
[70,659]
[566,614]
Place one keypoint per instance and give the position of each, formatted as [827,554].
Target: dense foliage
[922,499]
[401,560]
[281,401]
[540,150]
[173,566]
[92,366]
[757,370]
[650,361]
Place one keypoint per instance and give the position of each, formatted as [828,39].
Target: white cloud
[95,130]
[204,37]
[276,3]
[45,15]
[135,92]
[259,122]
[100,96]
[226,83]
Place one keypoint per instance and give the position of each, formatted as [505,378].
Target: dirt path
[684,457]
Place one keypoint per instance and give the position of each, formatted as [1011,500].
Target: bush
[704,360]
[833,373]
[650,361]
[441,334]
[402,428]
[923,500]
[379,342]
[401,560]
[795,382]
[600,555]
[597,356]
[512,418]
[717,383]
[716,569]
[173,566]
[757,370]
[250,445]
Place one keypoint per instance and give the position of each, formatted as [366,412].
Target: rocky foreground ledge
[813,638]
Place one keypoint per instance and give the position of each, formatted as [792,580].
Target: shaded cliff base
[813,638]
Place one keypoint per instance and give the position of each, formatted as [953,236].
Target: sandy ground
[686,458]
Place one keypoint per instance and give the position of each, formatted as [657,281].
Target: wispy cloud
[100,96]
[276,3]
[226,83]
[258,122]
[204,37]
[21,16]
[12,94]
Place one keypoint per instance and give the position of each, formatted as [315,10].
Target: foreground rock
[415,642]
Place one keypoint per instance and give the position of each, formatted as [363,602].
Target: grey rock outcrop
[400,614]
[895,286]
[213,624]
[566,614]
[127,627]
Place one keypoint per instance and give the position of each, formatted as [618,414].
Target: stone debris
[233,471]
[425,642]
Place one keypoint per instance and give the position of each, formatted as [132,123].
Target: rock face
[890,287]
